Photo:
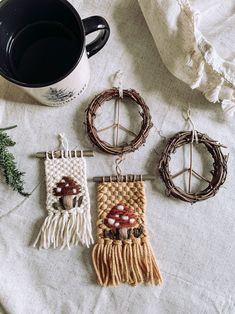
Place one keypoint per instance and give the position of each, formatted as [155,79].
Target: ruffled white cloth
[196,40]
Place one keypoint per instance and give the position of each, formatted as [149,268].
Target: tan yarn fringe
[129,261]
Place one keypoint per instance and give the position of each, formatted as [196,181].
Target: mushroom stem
[123,234]
[68,201]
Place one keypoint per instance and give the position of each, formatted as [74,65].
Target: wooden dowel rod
[124,178]
[57,154]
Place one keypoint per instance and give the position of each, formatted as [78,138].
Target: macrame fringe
[129,261]
[65,229]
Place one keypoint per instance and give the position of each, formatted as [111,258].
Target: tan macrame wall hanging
[123,253]
[68,220]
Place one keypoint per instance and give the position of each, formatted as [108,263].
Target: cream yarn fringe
[65,229]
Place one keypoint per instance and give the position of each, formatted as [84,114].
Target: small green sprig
[8,165]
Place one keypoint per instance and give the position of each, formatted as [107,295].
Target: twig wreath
[140,138]
[219,171]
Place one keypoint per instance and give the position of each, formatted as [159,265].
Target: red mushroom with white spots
[122,218]
[68,190]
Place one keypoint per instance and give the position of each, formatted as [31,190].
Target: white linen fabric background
[196,40]
[194,244]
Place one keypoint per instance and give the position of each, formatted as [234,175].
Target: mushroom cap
[67,186]
[121,218]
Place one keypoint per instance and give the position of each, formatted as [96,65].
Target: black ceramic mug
[43,48]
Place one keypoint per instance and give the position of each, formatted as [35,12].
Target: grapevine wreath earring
[68,221]
[123,253]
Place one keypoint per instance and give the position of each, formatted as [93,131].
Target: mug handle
[93,24]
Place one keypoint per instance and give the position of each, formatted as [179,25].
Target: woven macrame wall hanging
[68,221]
[123,253]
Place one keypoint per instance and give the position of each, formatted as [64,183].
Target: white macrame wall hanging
[68,220]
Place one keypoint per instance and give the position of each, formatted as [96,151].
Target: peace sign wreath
[219,172]
[139,138]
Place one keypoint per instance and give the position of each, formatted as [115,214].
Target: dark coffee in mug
[43,48]
[43,51]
